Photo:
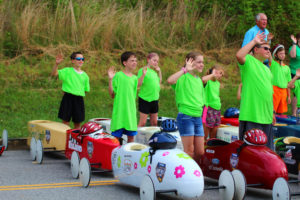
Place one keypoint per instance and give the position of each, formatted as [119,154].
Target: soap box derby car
[46,135]
[259,164]
[91,143]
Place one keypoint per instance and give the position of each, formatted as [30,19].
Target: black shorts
[72,106]
[148,107]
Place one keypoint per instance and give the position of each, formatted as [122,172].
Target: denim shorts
[118,133]
[189,126]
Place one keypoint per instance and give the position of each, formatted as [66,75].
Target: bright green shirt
[189,95]
[296,90]
[149,90]
[295,62]
[281,74]
[124,109]
[257,92]
[74,82]
[212,94]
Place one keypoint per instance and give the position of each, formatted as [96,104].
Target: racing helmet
[232,113]
[169,125]
[90,127]
[162,140]
[255,137]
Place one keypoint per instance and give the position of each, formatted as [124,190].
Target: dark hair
[74,54]
[193,55]
[298,36]
[126,55]
[216,67]
[151,55]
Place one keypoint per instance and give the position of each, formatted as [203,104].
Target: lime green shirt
[124,109]
[149,90]
[257,92]
[74,82]
[281,74]
[295,62]
[212,94]
[296,90]
[189,94]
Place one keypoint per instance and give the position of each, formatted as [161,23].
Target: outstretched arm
[58,60]
[209,77]
[293,52]
[241,54]
[111,73]
[188,67]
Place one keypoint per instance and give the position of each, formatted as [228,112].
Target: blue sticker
[90,148]
[215,161]
[48,136]
[160,171]
[234,160]
[234,138]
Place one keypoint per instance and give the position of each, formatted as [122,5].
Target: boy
[123,88]
[294,84]
[75,83]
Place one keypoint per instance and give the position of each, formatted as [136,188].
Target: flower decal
[144,159]
[149,169]
[197,173]
[135,165]
[119,162]
[184,156]
[179,171]
[166,153]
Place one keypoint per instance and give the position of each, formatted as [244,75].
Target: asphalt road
[20,178]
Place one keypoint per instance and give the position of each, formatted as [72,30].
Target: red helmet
[90,127]
[255,137]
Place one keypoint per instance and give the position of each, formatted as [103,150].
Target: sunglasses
[79,59]
[266,48]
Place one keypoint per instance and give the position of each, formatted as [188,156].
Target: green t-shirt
[189,94]
[124,109]
[149,90]
[257,92]
[281,74]
[296,90]
[295,62]
[74,82]
[212,94]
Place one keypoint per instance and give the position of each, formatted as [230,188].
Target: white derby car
[167,170]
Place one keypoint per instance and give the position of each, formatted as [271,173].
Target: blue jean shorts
[189,126]
[118,133]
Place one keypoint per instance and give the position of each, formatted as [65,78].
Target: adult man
[256,109]
[261,24]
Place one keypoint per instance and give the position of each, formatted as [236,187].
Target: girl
[149,90]
[212,111]
[281,78]
[189,96]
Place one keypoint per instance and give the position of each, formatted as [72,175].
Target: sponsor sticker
[234,160]
[215,161]
[48,136]
[160,171]
[128,166]
[234,138]
[210,151]
[90,148]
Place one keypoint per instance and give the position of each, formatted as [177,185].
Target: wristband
[184,70]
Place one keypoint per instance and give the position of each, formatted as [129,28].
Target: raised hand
[59,59]
[270,36]
[189,64]
[298,72]
[144,71]
[260,38]
[157,68]
[293,38]
[111,72]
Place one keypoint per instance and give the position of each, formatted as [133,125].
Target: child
[149,90]
[75,83]
[123,88]
[281,78]
[189,96]
[294,84]
[212,111]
